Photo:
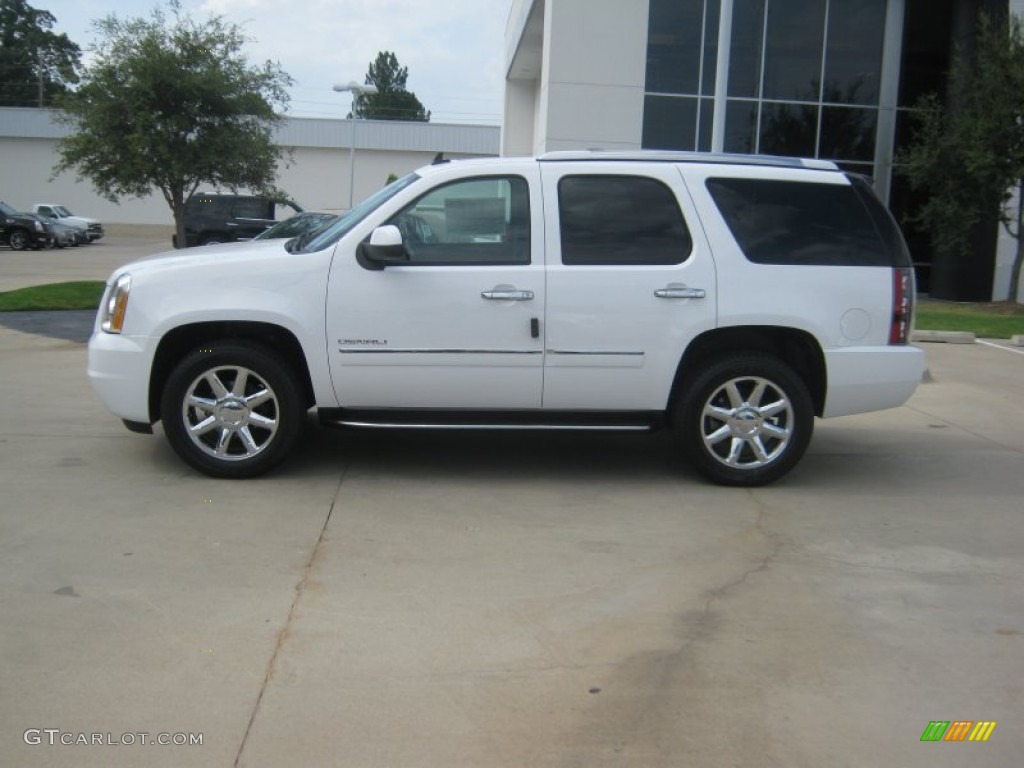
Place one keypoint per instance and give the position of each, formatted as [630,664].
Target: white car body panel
[423,336]
[245,282]
[611,344]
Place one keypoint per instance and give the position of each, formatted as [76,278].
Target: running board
[643,421]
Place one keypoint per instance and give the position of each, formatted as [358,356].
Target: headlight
[40,227]
[116,305]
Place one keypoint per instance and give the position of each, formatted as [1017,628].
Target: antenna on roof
[439,159]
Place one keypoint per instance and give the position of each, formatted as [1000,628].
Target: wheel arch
[797,348]
[179,341]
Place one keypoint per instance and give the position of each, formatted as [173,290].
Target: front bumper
[118,369]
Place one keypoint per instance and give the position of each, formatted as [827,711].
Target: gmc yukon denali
[732,299]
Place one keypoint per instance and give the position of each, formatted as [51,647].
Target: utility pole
[39,55]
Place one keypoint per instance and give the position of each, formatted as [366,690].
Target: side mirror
[384,248]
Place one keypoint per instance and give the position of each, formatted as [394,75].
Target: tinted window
[884,221]
[853,58]
[792,222]
[670,122]
[626,220]
[476,221]
[673,45]
[792,61]
[252,208]
[747,38]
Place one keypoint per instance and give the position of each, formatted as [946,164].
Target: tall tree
[36,63]
[171,103]
[968,158]
[392,101]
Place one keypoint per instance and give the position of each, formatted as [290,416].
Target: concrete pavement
[123,243]
[512,600]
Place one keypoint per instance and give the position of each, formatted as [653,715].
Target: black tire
[18,240]
[241,440]
[745,420]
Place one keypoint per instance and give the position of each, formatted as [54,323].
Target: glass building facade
[832,79]
[804,78]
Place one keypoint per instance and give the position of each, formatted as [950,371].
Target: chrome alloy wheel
[230,413]
[747,423]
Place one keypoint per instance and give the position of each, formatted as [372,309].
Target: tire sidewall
[688,417]
[263,362]
[18,240]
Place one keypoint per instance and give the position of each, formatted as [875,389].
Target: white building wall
[317,175]
[584,62]
[595,63]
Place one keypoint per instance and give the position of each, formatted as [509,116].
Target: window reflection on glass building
[804,77]
[832,79]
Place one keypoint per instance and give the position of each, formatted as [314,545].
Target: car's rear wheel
[745,420]
[232,409]
[18,240]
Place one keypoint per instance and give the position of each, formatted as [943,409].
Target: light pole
[356,90]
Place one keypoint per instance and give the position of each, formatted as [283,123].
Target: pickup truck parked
[729,298]
[91,229]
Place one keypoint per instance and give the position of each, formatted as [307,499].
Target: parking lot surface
[397,599]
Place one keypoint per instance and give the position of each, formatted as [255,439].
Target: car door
[631,281]
[458,325]
[250,216]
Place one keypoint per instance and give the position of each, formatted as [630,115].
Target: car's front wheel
[745,420]
[18,240]
[232,409]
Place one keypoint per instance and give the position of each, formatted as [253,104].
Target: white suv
[732,298]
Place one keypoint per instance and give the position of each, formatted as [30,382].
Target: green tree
[36,63]
[968,153]
[170,103]
[392,101]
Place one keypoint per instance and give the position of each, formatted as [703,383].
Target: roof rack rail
[669,156]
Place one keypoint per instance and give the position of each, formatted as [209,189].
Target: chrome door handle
[680,292]
[505,294]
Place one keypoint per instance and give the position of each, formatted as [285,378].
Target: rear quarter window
[802,223]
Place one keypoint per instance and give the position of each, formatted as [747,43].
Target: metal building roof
[30,123]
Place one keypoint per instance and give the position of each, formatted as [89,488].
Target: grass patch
[991,320]
[81,294]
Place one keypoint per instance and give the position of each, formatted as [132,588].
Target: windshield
[299,224]
[311,242]
[62,211]
[7,210]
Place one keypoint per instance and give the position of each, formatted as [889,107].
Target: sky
[454,49]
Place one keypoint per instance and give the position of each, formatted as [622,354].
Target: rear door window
[621,220]
[801,223]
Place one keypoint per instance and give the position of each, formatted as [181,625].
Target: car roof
[669,156]
[643,156]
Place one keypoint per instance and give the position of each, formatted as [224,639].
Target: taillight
[902,305]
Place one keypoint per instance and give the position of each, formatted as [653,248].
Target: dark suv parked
[213,219]
[22,230]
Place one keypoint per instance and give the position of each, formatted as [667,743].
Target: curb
[943,337]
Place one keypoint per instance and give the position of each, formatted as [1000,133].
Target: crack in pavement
[282,636]
[775,545]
